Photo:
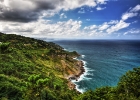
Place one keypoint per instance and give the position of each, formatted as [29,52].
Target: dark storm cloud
[19,16]
[44,4]
[25,10]
[30,10]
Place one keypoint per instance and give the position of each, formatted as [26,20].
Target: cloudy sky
[71,19]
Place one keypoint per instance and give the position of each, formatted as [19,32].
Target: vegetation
[127,89]
[36,70]
[33,70]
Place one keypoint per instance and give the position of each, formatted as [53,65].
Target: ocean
[105,61]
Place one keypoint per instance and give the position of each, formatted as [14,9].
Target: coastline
[81,71]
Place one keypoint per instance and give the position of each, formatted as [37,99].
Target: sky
[71,19]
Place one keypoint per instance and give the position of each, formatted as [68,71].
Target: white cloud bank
[61,29]
[43,28]
[120,25]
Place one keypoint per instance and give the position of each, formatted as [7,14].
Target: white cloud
[48,14]
[86,28]
[43,28]
[120,25]
[103,27]
[91,27]
[125,16]
[113,22]
[87,19]
[63,16]
[72,4]
[135,9]
[132,12]
[134,22]
[132,31]
[99,8]
[81,11]
[101,1]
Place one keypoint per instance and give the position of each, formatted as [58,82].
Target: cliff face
[31,67]
[39,52]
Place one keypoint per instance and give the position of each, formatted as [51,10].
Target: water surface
[105,60]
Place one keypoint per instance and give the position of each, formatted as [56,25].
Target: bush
[4,47]
[129,84]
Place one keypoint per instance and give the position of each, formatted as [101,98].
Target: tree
[4,47]
[130,83]
[37,85]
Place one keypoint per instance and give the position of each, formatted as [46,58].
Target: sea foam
[83,56]
[83,76]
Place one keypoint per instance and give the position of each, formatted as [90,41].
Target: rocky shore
[81,71]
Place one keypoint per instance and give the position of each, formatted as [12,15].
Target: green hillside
[32,69]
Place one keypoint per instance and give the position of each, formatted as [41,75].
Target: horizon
[75,19]
[77,39]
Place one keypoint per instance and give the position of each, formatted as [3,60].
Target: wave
[83,56]
[75,58]
[81,90]
[83,76]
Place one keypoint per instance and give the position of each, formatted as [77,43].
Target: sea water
[105,61]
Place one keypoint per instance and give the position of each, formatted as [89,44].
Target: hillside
[33,69]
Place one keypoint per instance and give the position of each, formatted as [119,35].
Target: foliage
[4,47]
[129,85]
[31,69]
